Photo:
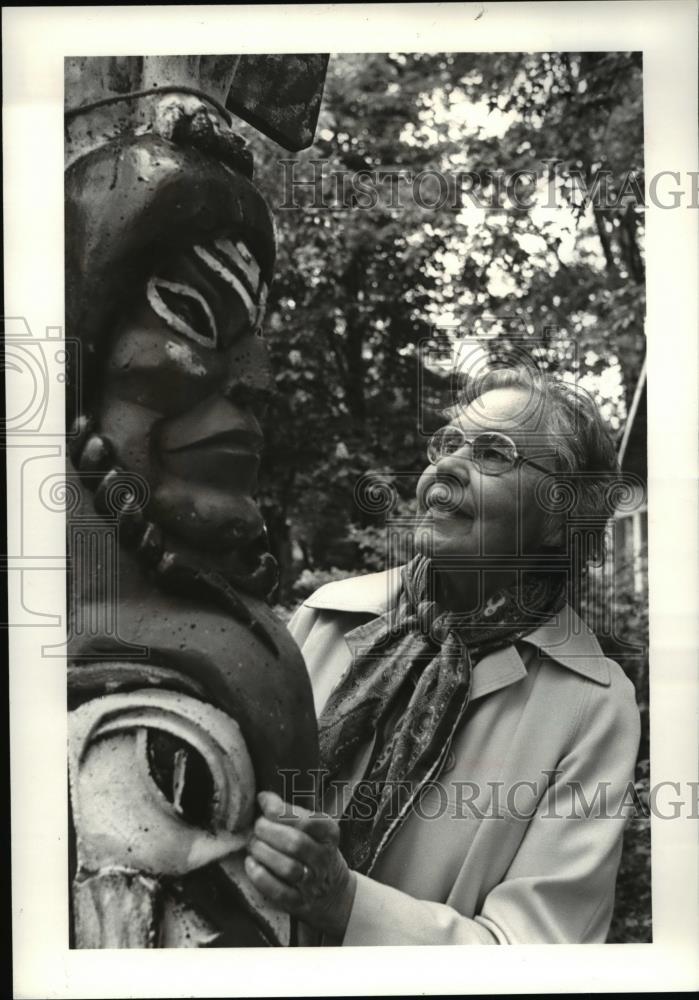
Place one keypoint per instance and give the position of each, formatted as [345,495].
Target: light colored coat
[520,840]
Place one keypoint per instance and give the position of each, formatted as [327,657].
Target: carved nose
[249,381]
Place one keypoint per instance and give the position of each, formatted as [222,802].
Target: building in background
[630,536]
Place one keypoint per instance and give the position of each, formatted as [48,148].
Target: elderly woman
[476,744]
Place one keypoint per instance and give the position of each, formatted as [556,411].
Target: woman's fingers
[322,828]
[289,841]
[279,864]
[319,826]
[273,806]
[272,887]
[283,842]
[294,861]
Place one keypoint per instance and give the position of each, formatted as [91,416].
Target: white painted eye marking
[206,338]
[262,305]
[226,274]
[182,354]
[239,255]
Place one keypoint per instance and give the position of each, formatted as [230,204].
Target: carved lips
[214,443]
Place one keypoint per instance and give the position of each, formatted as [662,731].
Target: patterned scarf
[409,685]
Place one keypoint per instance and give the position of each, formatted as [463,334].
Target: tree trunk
[606,242]
[354,345]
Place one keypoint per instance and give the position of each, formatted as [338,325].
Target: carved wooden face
[183,390]
[169,253]
[169,257]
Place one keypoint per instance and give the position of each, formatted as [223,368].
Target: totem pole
[186,696]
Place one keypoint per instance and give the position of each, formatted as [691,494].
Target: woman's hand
[294,861]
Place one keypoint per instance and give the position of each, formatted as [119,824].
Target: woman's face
[471,520]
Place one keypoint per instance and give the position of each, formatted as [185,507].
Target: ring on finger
[305,873]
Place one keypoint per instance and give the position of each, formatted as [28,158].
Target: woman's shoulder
[371,593]
[336,607]
[596,686]
[567,640]
[573,667]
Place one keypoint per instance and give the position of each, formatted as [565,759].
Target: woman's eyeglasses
[491,452]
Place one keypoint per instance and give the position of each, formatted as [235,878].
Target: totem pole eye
[183,777]
[184,309]
[176,772]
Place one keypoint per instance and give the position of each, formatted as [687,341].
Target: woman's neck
[468,590]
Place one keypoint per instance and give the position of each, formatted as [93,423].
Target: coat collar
[564,638]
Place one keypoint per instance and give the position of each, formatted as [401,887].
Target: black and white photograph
[351,490]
